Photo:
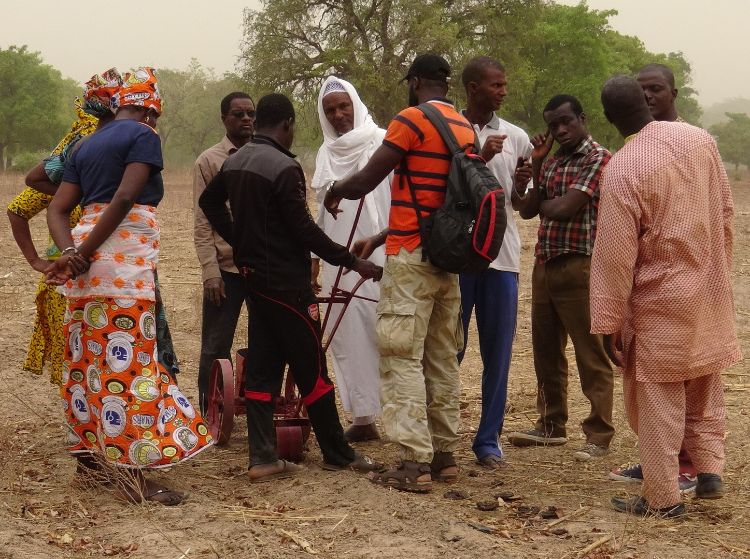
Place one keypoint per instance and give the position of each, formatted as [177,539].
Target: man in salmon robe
[661,293]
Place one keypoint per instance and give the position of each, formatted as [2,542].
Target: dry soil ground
[42,514]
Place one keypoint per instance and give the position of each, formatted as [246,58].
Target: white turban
[340,156]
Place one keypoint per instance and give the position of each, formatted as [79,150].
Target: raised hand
[542,145]
[522,175]
[492,145]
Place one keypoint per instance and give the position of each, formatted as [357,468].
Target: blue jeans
[494,294]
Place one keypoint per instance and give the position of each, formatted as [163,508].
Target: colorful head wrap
[139,89]
[99,90]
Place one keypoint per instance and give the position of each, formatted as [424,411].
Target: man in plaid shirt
[566,198]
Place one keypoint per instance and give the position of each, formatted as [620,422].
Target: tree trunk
[2,157]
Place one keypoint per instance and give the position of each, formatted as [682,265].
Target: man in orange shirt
[418,326]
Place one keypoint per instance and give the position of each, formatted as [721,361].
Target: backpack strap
[437,119]
[420,222]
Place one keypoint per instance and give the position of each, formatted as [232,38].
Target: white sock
[363,420]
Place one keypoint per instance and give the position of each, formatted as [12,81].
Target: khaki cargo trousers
[419,336]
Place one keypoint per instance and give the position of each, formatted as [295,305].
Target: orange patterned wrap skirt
[118,399]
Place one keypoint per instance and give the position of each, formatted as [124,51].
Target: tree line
[35,104]
[547,48]
[293,45]
[37,108]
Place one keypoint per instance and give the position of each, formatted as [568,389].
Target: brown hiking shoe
[535,437]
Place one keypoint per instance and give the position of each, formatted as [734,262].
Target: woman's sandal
[166,497]
[151,492]
[288,469]
[409,476]
[444,467]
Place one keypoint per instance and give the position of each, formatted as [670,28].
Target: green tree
[564,50]
[191,116]
[292,45]
[35,103]
[733,137]
[572,49]
[717,112]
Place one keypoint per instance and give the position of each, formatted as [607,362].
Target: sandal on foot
[153,493]
[492,462]
[444,467]
[288,469]
[361,463]
[409,476]
[166,497]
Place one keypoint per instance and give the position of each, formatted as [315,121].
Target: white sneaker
[590,451]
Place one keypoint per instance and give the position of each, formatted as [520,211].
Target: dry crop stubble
[42,514]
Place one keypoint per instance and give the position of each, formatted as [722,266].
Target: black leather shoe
[639,507]
[710,486]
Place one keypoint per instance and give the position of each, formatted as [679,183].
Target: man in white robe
[349,139]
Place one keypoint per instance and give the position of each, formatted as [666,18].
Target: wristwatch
[329,186]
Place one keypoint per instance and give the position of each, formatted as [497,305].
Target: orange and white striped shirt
[426,162]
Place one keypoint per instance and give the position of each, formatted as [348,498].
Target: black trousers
[217,332]
[284,328]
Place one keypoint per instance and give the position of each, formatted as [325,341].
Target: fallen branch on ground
[299,540]
[591,547]
[573,514]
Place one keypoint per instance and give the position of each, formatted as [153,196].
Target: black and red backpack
[465,234]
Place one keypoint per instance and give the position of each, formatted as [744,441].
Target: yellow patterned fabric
[29,202]
[47,343]
[84,125]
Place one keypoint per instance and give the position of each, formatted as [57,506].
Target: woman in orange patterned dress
[122,407]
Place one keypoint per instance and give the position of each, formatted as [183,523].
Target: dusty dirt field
[42,514]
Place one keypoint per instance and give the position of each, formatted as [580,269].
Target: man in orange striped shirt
[419,328]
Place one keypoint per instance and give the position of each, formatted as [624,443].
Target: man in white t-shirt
[493,294]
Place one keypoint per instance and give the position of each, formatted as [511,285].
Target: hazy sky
[168,33]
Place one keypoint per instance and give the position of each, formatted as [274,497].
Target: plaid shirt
[582,170]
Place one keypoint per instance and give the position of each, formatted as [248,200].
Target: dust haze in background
[80,41]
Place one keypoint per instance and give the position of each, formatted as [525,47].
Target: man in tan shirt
[223,287]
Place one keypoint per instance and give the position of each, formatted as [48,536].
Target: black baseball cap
[430,67]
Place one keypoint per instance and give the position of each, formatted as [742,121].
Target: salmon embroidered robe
[660,270]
